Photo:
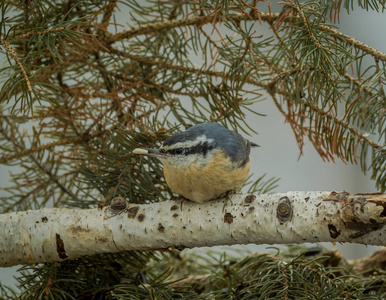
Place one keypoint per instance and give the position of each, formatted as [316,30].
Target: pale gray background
[278,154]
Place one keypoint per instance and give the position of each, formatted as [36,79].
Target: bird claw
[228,197]
[179,198]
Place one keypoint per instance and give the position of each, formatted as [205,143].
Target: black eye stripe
[202,148]
[178,151]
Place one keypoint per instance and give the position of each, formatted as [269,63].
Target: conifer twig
[35,149]
[29,34]
[343,124]
[8,47]
[196,21]
[357,44]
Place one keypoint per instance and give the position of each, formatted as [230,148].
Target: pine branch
[357,44]
[296,272]
[266,17]
[30,34]
[36,149]
[341,123]
[198,21]
[12,52]
[295,217]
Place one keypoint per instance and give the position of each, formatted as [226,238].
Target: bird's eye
[178,151]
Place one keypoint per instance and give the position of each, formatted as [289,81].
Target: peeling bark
[295,217]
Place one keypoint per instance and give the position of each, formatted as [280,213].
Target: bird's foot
[180,198]
[228,197]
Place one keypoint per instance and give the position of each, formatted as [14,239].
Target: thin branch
[29,34]
[8,47]
[357,82]
[365,48]
[322,113]
[196,21]
[35,149]
[306,24]
[266,17]
[54,178]
[155,62]
[109,10]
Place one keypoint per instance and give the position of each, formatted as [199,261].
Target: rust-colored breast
[203,183]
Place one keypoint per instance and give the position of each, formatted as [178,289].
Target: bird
[205,162]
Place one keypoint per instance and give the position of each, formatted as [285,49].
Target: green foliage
[307,276]
[116,171]
[348,5]
[379,163]
[80,92]
[94,82]
[297,273]
[87,278]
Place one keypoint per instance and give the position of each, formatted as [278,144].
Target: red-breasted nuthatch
[204,162]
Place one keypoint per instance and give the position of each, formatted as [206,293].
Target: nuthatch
[204,162]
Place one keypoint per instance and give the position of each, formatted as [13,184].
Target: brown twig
[196,21]
[34,149]
[7,46]
[29,34]
[357,44]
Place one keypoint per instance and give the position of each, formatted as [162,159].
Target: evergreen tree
[81,89]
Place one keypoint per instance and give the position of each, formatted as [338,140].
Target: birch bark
[57,234]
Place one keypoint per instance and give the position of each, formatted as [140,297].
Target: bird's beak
[149,152]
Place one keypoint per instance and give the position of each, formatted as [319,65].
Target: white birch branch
[56,234]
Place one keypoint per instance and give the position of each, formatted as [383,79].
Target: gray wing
[247,151]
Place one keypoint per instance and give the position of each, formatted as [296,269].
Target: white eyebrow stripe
[188,144]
